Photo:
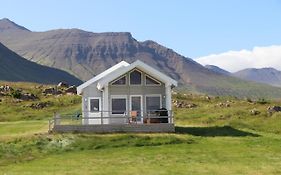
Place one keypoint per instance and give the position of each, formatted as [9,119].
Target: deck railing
[112,117]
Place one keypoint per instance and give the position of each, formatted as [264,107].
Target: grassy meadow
[218,136]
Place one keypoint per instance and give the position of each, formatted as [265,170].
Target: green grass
[208,140]
[11,110]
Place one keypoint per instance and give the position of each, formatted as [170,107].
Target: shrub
[16,94]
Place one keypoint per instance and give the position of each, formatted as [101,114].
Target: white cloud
[232,61]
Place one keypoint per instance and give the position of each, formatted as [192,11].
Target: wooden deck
[116,128]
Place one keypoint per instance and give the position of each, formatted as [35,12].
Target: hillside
[85,54]
[264,75]
[217,135]
[15,68]
[217,69]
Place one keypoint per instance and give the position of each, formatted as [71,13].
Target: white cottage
[127,94]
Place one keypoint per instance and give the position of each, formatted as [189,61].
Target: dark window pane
[135,77]
[94,105]
[118,105]
[152,103]
[150,81]
[120,81]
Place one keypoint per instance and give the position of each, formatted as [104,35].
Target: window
[118,105]
[151,81]
[135,77]
[94,105]
[153,102]
[120,81]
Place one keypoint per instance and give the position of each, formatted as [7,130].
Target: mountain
[217,69]
[7,25]
[85,54]
[15,68]
[264,75]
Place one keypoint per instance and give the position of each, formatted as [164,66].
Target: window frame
[153,95]
[140,76]
[112,83]
[118,97]
[89,104]
[152,79]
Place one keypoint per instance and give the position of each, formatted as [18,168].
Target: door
[94,110]
[136,107]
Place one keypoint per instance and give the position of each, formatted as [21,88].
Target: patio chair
[133,117]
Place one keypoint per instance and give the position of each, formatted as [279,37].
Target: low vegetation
[214,135]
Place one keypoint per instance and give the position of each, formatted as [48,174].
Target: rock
[183,104]
[17,100]
[63,85]
[28,96]
[39,105]
[222,105]
[71,90]
[51,91]
[39,87]
[191,105]
[208,98]
[272,109]
[6,88]
[254,112]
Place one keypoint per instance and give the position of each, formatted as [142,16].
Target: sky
[199,29]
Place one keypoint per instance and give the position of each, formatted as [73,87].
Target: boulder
[183,104]
[254,112]
[222,105]
[272,109]
[51,91]
[39,105]
[63,85]
[5,89]
[71,90]
[28,96]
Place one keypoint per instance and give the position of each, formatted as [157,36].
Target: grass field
[209,139]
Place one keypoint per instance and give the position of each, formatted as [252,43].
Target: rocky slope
[217,69]
[15,68]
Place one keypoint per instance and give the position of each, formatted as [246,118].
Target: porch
[106,122]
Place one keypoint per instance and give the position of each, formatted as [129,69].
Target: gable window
[118,105]
[120,81]
[94,105]
[151,81]
[135,77]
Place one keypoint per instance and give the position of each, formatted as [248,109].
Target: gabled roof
[101,75]
[114,72]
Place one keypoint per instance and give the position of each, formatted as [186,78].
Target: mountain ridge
[86,54]
[262,75]
[15,68]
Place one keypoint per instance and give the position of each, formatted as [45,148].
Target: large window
[120,81]
[94,105]
[135,77]
[118,105]
[151,81]
[153,103]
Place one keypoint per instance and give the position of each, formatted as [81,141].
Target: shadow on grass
[213,131]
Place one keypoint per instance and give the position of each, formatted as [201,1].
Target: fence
[113,118]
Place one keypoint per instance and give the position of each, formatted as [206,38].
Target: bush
[262,101]
[16,94]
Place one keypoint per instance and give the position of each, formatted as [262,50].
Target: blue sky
[193,28]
